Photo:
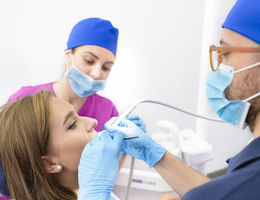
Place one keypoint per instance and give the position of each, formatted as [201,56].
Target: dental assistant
[233,91]
[90,55]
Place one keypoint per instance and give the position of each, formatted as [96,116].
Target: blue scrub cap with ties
[94,31]
[244,18]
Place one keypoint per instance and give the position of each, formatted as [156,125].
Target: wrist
[85,195]
[96,189]
[154,154]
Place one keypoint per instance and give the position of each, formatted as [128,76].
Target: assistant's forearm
[178,175]
[121,161]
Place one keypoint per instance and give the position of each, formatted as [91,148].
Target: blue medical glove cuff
[97,196]
[154,154]
[123,153]
[94,196]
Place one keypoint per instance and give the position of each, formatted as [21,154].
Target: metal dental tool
[126,112]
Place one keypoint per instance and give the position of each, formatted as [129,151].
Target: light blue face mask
[82,84]
[232,111]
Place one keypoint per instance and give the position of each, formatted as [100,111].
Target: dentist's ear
[51,166]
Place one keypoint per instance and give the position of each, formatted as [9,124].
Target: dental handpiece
[126,112]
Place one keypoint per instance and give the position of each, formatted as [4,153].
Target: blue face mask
[234,111]
[82,84]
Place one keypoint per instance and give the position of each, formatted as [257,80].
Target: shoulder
[102,100]
[28,90]
[101,105]
[238,185]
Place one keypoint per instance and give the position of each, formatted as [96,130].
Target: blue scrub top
[241,182]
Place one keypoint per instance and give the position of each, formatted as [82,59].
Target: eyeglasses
[216,53]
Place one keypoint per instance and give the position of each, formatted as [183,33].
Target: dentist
[233,90]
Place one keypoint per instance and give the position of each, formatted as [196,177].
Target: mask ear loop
[67,65]
[67,68]
[246,68]
[252,97]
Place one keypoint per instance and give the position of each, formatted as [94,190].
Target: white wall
[159,52]
[159,45]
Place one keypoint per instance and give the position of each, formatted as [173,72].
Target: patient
[41,141]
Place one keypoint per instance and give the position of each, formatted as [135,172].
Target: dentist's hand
[143,147]
[138,121]
[98,166]
[134,118]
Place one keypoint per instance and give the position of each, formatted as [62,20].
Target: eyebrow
[91,54]
[221,42]
[70,114]
[109,62]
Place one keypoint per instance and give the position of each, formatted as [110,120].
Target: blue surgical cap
[3,184]
[244,18]
[94,31]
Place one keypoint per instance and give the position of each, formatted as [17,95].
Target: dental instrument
[126,112]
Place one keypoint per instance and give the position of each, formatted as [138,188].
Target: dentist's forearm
[178,175]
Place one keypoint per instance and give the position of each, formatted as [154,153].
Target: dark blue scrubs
[3,184]
[241,182]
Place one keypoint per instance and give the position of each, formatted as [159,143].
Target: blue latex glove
[143,147]
[138,121]
[98,166]
[134,118]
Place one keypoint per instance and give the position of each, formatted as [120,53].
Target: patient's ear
[51,165]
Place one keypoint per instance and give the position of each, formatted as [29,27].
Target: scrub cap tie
[244,18]
[94,31]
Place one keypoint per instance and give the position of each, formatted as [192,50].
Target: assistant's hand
[143,147]
[98,166]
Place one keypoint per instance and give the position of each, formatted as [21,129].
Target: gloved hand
[134,118]
[98,166]
[143,147]
[138,121]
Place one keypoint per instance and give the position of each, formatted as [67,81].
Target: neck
[64,91]
[69,180]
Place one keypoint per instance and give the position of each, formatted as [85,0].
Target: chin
[92,135]
[227,94]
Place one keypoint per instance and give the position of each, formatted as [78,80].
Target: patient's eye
[73,125]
